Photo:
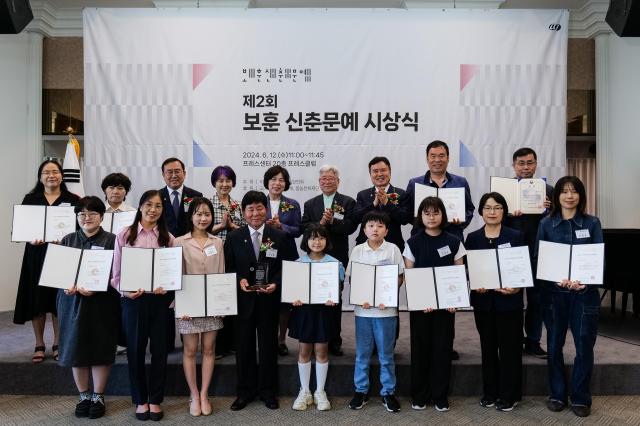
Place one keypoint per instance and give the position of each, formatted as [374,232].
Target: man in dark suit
[337,213]
[176,196]
[386,198]
[258,310]
[175,203]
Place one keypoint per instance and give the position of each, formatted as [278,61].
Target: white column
[603,143]
[34,103]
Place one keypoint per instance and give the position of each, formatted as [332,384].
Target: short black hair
[90,203]
[193,207]
[252,197]
[577,185]
[116,179]
[376,160]
[434,203]
[436,144]
[273,171]
[498,198]
[225,171]
[315,230]
[171,160]
[523,152]
[376,216]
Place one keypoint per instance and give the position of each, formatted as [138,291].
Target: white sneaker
[303,400]
[321,401]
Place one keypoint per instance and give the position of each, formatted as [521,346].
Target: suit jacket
[398,213]
[290,221]
[339,230]
[177,226]
[239,255]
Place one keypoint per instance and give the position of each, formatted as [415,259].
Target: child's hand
[381,306]
[366,305]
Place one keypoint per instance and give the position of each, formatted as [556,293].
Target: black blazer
[398,213]
[177,226]
[239,255]
[339,230]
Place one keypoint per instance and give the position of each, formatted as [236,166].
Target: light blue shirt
[328,200]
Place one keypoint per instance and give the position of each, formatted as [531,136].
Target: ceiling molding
[589,20]
[55,22]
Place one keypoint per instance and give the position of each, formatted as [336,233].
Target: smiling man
[175,196]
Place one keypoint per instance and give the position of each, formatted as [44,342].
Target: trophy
[258,275]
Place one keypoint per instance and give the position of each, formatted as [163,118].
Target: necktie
[176,203]
[257,240]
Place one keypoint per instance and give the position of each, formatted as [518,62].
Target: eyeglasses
[51,173]
[492,208]
[91,215]
[525,163]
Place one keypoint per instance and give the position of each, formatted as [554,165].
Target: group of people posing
[221,234]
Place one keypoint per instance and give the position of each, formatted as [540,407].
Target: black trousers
[259,378]
[145,321]
[431,346]
[501,345]
[225,340]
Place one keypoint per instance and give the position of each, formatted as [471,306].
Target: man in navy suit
[386,198]
[336,212]
[176,196]
[258,310]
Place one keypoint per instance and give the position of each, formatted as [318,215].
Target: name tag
[338,216]
[272,253]
[97,248]
[505,245]
[443,251]
[65,204]
[582,233]
[186,208]
[210,251]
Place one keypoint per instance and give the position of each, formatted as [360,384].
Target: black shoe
[156,417]
[335,350]
[581,410]
[441,406]
[535,350]
[97,408]
[455,356]
[391,403]
[82,408]
[271,403]
[505,406]
[240,403]
[555,405]
[143,416]
[417,405]
[487,402]
[283,350]
[358,401]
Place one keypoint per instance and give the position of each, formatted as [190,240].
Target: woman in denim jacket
[570,304]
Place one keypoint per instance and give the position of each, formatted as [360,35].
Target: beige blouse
[201,260]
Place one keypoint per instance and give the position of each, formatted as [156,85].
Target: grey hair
[330,168]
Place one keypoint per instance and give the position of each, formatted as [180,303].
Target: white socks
[304,370]
[321,375]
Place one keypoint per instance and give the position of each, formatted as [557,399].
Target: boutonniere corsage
[285,207]
[266,245]
[337,208]
[186,203]
[393,197]
[233,206]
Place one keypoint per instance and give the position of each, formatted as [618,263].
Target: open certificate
[526,195]
[48,223]
[147,269]
[207,295]
[451,286]
[66,267]
[499,268]
[583,262]
[421,289]
[452,198]
[117,221]
[310,282]
[375,285]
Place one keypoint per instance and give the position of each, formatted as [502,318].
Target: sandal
[55,352]
[37,359]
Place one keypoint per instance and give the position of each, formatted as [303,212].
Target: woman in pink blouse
[202,253]
[144,314]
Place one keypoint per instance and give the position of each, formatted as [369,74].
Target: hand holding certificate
[151,269]
[374,285]
[207,296]
[66,267]
[310,283]
[525,195]
[42,223]
[442,287]
[500,268]
[452,198]
[583,263]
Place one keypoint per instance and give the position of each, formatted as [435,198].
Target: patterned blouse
[219,210]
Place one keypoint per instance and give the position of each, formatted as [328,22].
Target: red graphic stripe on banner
[200,72]
[467,71]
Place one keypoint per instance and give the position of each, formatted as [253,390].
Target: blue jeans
[578,311]
[382,331]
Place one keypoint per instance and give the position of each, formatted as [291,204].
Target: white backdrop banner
[306,87]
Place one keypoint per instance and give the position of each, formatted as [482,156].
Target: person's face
[317,244]
[202,217]
[255,214]
[173,175]
[569,197]
[328,182]
[89,221]
[50,176]
[431,218]
[224,185]
[525,167]
[375,231]
[492,212]
[380,174]
[115,194]
[276,185]
[151,209]
[438,160]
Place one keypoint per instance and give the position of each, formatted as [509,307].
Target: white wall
[20,112]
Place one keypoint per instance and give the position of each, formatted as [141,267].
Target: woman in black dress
[34,302]
[89,320]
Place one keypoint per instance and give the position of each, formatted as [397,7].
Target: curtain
[585,169]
